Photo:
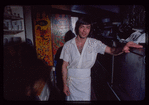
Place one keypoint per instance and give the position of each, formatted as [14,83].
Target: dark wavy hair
[83,21]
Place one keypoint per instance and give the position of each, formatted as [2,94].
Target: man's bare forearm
[64,76]
[64,73]
[116,50]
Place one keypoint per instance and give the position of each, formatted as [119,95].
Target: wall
[73,23]
[28,23]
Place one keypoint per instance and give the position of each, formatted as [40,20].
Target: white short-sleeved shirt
[87,58]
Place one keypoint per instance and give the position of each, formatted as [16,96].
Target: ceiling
[95,11]
[90,8]
[85,9]
[112,8]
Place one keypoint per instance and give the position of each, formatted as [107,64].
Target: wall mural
[60,25]
[43,42]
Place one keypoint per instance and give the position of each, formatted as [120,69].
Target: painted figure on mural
[79,55]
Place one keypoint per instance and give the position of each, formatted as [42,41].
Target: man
[79,55]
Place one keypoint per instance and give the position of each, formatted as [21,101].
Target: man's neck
[80,40]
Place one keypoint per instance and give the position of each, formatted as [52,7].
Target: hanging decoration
[60,24]
[43,41]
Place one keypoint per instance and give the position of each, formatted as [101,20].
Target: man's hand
[130,44]
[66,90]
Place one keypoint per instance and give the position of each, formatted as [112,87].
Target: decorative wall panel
[60,25]
[43,41]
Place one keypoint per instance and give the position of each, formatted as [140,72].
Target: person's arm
[64,77]
[117,51]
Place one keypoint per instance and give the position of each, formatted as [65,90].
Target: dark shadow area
[68,36]
[24,76]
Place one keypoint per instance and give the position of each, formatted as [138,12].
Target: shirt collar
[73,40]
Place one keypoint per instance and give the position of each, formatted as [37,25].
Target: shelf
[11,17]
[11,32]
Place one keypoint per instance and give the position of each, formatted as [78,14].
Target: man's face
[84,31]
